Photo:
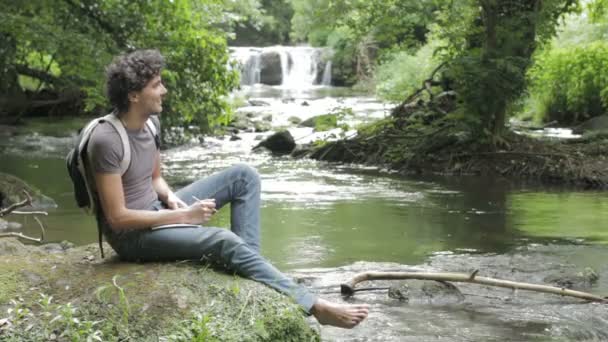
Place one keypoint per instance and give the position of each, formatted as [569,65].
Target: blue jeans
[236,249]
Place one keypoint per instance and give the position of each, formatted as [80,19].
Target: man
[132,203]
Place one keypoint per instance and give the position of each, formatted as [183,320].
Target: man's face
[150,98]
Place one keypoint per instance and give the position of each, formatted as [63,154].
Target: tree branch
[27,201]
[35,73]
[348,288]
[25,237]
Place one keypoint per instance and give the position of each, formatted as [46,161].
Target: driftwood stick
[25,237]
[10,208]
[15,212]
[348,288]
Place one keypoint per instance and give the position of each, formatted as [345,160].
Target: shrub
[569,85]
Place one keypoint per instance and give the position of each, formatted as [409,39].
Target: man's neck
[133,119]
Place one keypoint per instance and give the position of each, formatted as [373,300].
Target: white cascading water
[300,65]
[326,81]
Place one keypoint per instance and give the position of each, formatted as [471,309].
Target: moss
[115,300]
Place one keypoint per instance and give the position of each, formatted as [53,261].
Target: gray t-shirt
[106,151]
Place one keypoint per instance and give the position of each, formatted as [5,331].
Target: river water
[324,222]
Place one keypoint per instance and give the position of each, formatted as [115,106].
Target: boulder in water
[258,103]
[426,292]
[578,281]
[280,143]
[270,68]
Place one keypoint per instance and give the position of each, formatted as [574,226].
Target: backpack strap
[154,131]
[126,148]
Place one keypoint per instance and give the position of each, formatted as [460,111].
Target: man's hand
[201,211]
[174,202]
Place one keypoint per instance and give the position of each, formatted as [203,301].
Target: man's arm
[111,196]
[162,188]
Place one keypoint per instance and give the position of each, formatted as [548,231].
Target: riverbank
[56,292]
[444,146]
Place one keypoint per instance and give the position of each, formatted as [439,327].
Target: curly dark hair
[131,72]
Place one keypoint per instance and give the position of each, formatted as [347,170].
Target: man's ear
[133,97]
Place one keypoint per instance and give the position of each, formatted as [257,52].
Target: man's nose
[164,90]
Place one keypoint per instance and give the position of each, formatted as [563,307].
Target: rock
[578,281]
[598,123]
[11,189]
[294,120]
[288,99]
[321,123]
[242,124]
[279,143]
[270,68]
[305,103]
[258,103]
[258,137]
[66,245]
[301,150]
[52,247]
[426,292]
[261,126]
[234,137]
[267,117]
[164,299]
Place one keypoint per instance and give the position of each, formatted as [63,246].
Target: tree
[490,50]
[62,46]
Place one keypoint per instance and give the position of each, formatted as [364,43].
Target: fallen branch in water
[10,209]
[348,289]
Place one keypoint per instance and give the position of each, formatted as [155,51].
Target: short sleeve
[105,150]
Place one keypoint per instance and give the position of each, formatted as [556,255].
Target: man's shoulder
[105,135]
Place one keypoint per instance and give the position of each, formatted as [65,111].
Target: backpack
[78,158]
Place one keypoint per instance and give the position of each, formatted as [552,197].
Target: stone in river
[279,143]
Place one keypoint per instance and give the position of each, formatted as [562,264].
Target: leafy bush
[570,85]
[401,73]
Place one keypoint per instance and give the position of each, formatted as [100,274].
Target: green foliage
[360,31]
[401,73]
[261,23]
[570,84]
[490,44]
[66,45]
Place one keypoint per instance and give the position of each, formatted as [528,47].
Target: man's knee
[247,172]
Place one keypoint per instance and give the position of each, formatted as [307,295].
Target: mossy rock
[321,123]
[76,295]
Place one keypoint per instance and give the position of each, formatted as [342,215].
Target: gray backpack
[78,159]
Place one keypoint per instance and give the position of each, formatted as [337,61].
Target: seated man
[140,198]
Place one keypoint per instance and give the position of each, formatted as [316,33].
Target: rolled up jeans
[236,249]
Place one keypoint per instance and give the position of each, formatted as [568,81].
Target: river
[324,222]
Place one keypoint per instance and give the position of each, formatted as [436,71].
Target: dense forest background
[543,60]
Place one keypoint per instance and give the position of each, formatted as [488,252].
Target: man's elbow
[118,220]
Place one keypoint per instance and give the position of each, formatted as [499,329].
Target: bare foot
[339,315]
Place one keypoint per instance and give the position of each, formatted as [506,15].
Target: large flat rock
[74,294]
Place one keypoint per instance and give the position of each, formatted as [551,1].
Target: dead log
[348,289]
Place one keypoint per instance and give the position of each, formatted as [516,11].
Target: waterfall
[326,81]
[292,67]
